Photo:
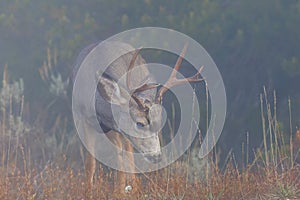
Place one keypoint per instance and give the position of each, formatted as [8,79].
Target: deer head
[129,101]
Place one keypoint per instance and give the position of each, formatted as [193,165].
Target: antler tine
[140,89]
[179,61]
[172,81]
[146,87]
[130,67]
[139,103]
[128,79]
[195,78]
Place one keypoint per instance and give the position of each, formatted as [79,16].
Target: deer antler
[172,81]
[128,79]
[130,67]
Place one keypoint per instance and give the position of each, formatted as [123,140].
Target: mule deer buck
[144,97]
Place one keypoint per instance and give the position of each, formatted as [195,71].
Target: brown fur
[122,178]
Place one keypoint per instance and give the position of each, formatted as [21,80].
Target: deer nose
[154,158]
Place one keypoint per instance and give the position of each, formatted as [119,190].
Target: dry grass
[29,171]
[54,182]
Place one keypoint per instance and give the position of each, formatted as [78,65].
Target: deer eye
[140,125]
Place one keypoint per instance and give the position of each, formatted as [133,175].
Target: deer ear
[110,91]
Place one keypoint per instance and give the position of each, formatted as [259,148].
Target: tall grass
[34,165]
